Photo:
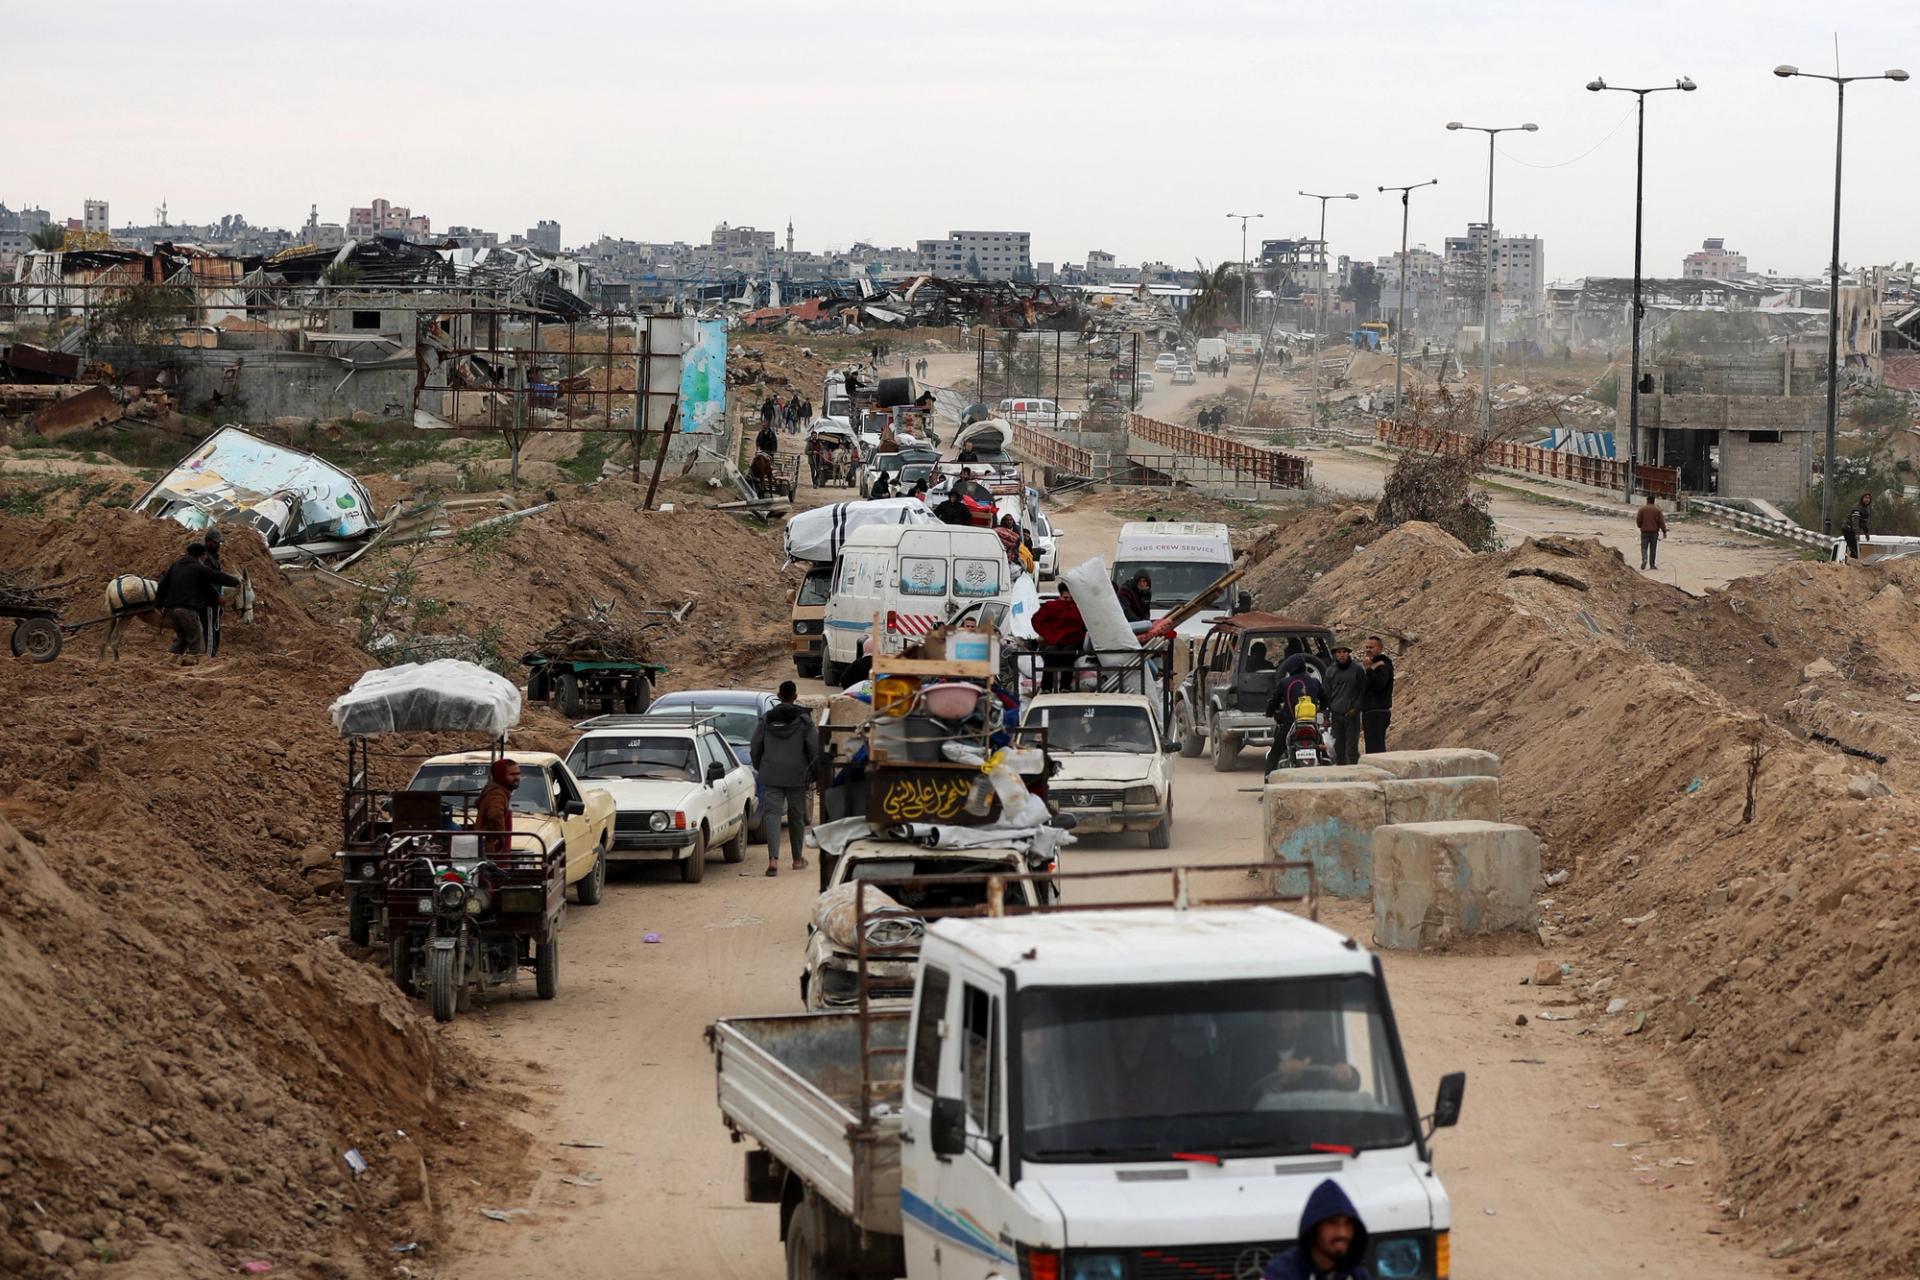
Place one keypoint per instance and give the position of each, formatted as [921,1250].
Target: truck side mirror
[716,771]
[1446,1107]
[574,808]
[949,1127]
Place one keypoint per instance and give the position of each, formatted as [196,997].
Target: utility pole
[1313,411]
[1598,85]
[1244,217]
[1486,323]
[1400,324]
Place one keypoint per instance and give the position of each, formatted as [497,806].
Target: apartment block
[1714,261]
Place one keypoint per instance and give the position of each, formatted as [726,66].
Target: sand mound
[189,1049]
[1773,957]
[1311,543]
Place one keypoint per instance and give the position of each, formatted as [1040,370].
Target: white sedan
[1114,774]
[677,791]
[1166,362]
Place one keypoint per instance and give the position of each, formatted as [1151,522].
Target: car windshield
[667,758]
[816,588]
[1177,581]
[530,796]
[735,722]
[1097,727]
[1264,1067]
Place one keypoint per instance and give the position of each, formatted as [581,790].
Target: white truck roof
[1155,945]
[1174,540]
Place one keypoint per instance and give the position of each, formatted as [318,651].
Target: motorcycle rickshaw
[459,910]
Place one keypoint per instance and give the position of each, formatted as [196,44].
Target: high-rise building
[96,216]
[545,235]
[1520,267]
[1714,261]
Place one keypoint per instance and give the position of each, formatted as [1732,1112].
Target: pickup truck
[549,803]
[1125,1093]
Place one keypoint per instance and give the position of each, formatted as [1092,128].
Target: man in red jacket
[1062,631]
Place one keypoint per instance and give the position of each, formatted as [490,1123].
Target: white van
[1182,557]
[916,577]
[1209,349]
[1033,411]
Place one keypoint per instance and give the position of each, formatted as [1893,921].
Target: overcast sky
[1109,124]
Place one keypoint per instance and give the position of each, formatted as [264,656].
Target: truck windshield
[1177,581]
[1096,727]
[669,759]
[1262,1067]
[815,588]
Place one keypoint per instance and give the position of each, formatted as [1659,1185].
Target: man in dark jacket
[786,756]
[1376,704]
[1856,526]
[953,509]
[1331,1243]
[1346,683]
[1288,688]
[184,593]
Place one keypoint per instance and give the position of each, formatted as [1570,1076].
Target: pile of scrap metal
[549,287]
[58,396]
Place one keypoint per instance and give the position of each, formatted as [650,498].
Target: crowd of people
[788,413]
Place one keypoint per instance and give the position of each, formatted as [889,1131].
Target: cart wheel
[359,920]
[546,968]
[36,638]
[694,869]
[441,979]
[566,693]
[400,964]
[637,696]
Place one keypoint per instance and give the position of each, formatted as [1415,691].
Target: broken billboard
[289,496]
[703,378]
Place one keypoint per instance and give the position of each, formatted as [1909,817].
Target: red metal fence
[1278,470]
[1601,473]
[1050,450]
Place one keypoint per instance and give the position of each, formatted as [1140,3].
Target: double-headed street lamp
[1244,217]
[1320,326]
[1486,325]
[1400,325]
[1840,83]
[1597,85]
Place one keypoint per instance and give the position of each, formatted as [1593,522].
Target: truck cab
[1182,557]
[1104,1095]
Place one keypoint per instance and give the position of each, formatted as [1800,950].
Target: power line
[1561,164]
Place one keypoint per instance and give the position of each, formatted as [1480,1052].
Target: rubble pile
[191,1048]
[1770,956]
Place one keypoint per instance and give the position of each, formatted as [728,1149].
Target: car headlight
[1408,1257]
[1096,1266]
[451,895]
[657,821]
[1141,795]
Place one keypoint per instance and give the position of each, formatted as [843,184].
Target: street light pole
[1313,410]
[1833,284]
[1486,323]
[1598,85]
[1400,324]
[1243,263]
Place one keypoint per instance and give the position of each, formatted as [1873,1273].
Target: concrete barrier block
[1442,799]
[1437,762]
[1329,824]
[1434,882]
[1326,773]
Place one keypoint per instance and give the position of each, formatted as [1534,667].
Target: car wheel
[694,869]
[594,883]
[807,668]
[1191,743]
[1226,747]
[1161,836]
[735,850]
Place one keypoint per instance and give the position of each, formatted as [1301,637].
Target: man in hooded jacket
[1331,1243]
[786,756]
[1346,685]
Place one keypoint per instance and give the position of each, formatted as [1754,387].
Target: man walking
[1653,527]
[1346,684]
[785,755]
[183,594]
[1376,704]
[1856,524]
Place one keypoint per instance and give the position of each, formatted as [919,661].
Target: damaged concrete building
[1740,427]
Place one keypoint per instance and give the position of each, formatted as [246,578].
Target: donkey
[130,597]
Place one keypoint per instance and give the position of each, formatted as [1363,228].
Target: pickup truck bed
[791,1082]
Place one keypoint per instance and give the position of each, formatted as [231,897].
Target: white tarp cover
[818,533]
[1092,590]
[446,696]
[232,475]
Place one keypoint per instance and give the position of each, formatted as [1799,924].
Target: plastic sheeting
[1092,589]
[819,533]
[447,696]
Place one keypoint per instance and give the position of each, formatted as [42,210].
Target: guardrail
[1576,468]
[1275,469]
[1051,451]
[1785,530]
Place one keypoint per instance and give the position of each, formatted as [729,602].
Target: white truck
[1182,558]
[1209,349]
[1105,1095]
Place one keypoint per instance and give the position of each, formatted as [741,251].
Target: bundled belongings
[447,696]
[597,636]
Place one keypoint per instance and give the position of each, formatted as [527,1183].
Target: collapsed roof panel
[289,496]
